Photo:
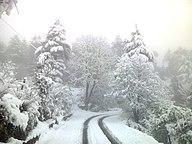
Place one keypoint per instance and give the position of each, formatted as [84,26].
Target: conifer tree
[136,46]
[51,60]
[135,85]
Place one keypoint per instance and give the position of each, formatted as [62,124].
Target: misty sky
[163,23]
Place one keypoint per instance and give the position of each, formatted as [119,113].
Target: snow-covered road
[71,131]
[95,134]
[108,134]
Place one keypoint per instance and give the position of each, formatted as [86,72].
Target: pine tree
[59,49]
[2,49]
[118,46]
[178,72]
[34,43]
[16,49]
[135,85]
[185,79]
[52,57]
[17,53]
[136,46]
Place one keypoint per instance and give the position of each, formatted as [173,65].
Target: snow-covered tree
[17,52]
[61,104]
[6,6]
[185,79]
[18,105]
[13,121]
[58,48]
[35,42]
[136,86]
[2,49]
[178,71]
[16,49]
[90,65]
[44,83]
[117,46]
[7,77]
[51,60]
[172,125]
[173,60]
[136,46]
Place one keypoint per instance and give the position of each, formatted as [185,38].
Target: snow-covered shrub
[61,103]
[27,92]
[12,105]
[13,120]
[24,90]
[173,125]
[56,99]
[31,100]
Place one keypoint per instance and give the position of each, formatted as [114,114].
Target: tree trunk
[136,115]
[90,94]
[86,96]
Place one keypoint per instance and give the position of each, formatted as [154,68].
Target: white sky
[163,23]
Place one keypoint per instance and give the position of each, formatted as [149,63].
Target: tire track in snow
[109,136]
[85,129]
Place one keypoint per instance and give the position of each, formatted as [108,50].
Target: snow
[42,128]
[66,132]
[70,131]
[14,141]
[51,43]
[42,57]
[38,50]
[12,105]
[56,49]
[126,134]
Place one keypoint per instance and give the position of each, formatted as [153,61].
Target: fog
[164,24]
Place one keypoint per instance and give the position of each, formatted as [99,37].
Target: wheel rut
[85,129]
[109,136]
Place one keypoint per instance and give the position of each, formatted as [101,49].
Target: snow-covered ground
[71,131]
[126,134]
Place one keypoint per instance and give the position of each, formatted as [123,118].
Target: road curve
[111,138]
[85,129]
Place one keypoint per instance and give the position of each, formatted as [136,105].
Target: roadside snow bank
[126,134]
